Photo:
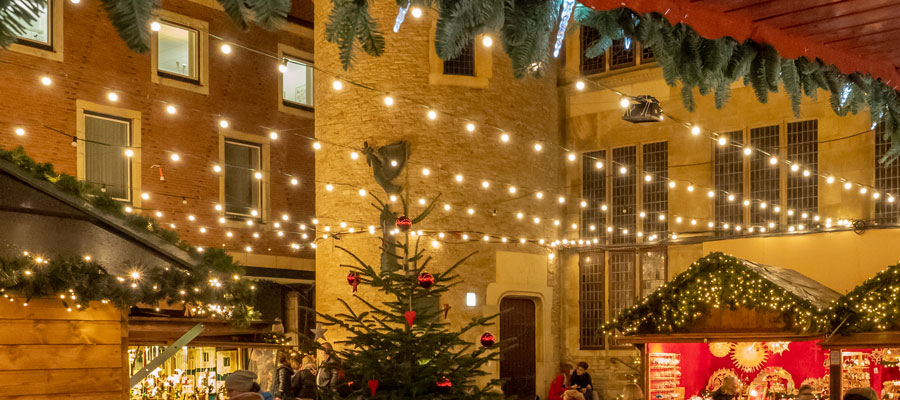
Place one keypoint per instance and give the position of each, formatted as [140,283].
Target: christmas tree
[401,347]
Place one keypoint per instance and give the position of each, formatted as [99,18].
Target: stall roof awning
[868,314]
[41,218]
[854,35]
[723,296]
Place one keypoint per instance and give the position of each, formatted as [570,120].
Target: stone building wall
[527,109]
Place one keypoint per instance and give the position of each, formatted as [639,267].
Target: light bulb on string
[337,85]
[273,135]
[671,184]
[485,184]
[579,85]
[538,147]
[223,123]
[571,157]
[426,171]
[46,81]
[504,137]
[282,68]
[432,115]
[847,185]
[317,145]
[226,48]
[354,155]
[625,102]
[722,141]
[175,157]
[459,177]
[416,12]
[470,127]
[829,180]
[539,195]
[154,26]
[795,167]
[695,130]
[487,41]
[388,101]
[112,96]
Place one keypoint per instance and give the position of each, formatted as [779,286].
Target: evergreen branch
[131,18]
[269,14]
[237,12]
[16,16]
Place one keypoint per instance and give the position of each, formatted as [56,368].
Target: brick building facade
[56,93]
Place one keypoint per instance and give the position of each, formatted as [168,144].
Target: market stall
[866,333]
[726,316]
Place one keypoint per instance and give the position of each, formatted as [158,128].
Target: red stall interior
[765,370]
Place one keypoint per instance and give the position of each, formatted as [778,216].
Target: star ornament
[319,331]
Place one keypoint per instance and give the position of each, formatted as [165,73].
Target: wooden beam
[52,382]
[59,332]
[55,357]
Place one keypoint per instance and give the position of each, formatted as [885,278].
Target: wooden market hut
[867,317]
[721,298]
[49,352]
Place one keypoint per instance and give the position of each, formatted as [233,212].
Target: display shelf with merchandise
[665,376]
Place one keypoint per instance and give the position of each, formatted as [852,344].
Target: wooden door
[517,362]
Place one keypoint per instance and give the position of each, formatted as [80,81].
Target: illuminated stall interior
[726,316]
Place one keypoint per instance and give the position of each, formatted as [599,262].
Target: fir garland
[870,307]
[707,65]
[714,281]
[213,287]
[712,65]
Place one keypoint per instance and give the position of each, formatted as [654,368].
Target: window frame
[53,50]
[157,76]
[85,108]
[784,172]
[197,64]
[885,175]
[609,180]
[608,68]
[483,66]
[238,220]
[286,106]
[609,342]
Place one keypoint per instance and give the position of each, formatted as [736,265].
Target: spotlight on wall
[643,109]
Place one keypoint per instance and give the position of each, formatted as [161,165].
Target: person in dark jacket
[727,391]
[304,381]
[581,380]
[283,390]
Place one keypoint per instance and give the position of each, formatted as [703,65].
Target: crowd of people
[297,377]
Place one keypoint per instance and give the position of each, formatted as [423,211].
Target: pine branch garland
[131,18]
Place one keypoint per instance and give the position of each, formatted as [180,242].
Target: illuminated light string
[226,47]
[470,126]
[722,140]
[504,134]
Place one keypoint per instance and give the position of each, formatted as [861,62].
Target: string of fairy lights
[317,231]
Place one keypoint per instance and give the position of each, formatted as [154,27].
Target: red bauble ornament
[410,317]
[404,223]
[426,280]
[487,339]
[373,386]
[444,386]
[353,280]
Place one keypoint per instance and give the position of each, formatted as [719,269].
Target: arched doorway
[517,333]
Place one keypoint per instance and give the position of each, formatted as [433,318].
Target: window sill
[37,52]
[299,110]
[475,82]
[184,84]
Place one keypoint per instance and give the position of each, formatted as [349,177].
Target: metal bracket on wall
[166,354]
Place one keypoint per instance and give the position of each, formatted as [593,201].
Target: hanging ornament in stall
[720,349]
[749,356]
[778,347]
[446,310]
[373,386]
[718,377]
[410,317]
[444,386]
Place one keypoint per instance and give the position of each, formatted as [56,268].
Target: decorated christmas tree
[400,345]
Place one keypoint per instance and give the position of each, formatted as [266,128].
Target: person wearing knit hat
[241,385]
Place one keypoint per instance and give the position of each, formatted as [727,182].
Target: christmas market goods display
[718,377]
[722,281]
[192,373]
[720,349]
[665,376]
[855,373]
[749,356]
[213,287]
[400,342]
[771,382]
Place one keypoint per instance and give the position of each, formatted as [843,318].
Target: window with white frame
[177,52]
[38,32]
[887,181]
[243,178]
[105,161]
[297,83]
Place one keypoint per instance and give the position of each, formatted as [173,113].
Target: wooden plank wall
[48,353]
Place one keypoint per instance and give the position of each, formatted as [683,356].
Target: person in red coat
[560,383]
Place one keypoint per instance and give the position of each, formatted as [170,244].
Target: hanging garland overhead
[714,281]
[707,65]
[214,287]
